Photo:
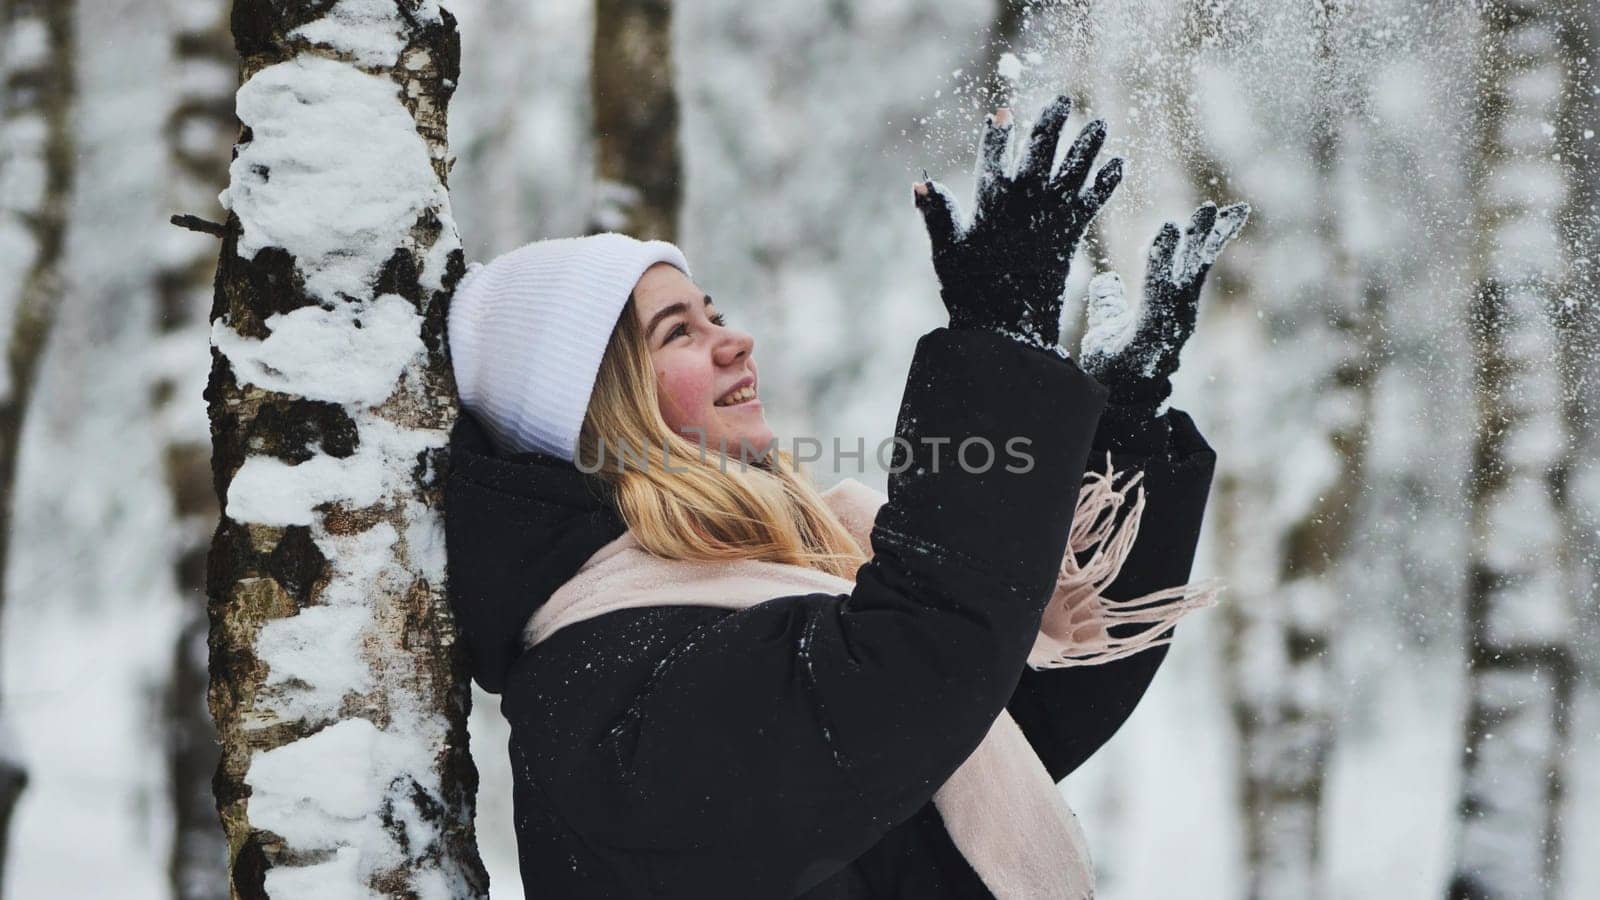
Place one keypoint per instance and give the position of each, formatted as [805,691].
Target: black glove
[1006,271]
[1135,354]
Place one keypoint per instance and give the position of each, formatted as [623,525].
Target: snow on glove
[1135,354]
[1007,269]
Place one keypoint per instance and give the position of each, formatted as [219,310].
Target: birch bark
[336,681]
[1519,590]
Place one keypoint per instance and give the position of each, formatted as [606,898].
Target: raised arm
[1069,713]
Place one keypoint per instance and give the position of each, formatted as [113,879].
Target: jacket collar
[517,527]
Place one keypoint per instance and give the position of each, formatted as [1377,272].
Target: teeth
[741,395]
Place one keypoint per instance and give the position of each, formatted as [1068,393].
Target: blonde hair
[704,508]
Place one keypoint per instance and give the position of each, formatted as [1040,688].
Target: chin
[759,441]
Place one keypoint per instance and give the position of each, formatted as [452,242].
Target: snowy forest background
[1395,362]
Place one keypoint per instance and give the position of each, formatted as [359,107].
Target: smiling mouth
[738,395]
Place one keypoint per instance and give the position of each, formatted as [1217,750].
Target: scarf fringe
[1075,630]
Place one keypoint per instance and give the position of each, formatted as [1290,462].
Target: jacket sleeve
[783,740]
[1069,713]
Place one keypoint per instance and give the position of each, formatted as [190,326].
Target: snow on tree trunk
[1520,593]
[336,681]
[199,132]
[639,168]
[36,178]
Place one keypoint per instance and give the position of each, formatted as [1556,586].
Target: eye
[682,328]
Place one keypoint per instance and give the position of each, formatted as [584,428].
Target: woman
[724,684]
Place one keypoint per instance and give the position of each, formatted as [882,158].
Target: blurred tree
[1289,725]
[37,162]
[1520,603]
[639,165]
[1578,313]
[1289,577]
[199,132]
[336,681]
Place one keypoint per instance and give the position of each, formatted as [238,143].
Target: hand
[1134,355]
[1006,271]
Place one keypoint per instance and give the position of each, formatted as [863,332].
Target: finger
[992,157]
[1194,240]
[1159,266]
[1041,153]
[1105,184]
[939,213]
[1229,220]
[1075,168]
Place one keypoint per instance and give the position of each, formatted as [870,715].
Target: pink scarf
[1002,810]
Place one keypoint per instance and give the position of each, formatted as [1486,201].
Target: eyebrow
[668,310]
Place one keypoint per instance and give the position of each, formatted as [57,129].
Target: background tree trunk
[1289,723]
[36,180]
[638,166]
[1578,313]
[336,682]
[1273,656]
[1519,601]
[199,131]
[1285,564]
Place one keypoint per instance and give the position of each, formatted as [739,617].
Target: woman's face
[705,373]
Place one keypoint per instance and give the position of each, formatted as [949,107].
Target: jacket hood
[516,529]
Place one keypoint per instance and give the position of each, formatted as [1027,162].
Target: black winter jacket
[792,749]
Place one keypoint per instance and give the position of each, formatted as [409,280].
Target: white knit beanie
[528,329]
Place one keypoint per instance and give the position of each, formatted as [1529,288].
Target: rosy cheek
[683,397]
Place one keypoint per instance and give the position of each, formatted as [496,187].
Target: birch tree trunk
[1520,600]
[336,681]
[638,165]
[199,132]
[1285,561]
[1257,651]
[36,181]
[1290,736]
[1578,313]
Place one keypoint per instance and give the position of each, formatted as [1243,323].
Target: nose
[734,347]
